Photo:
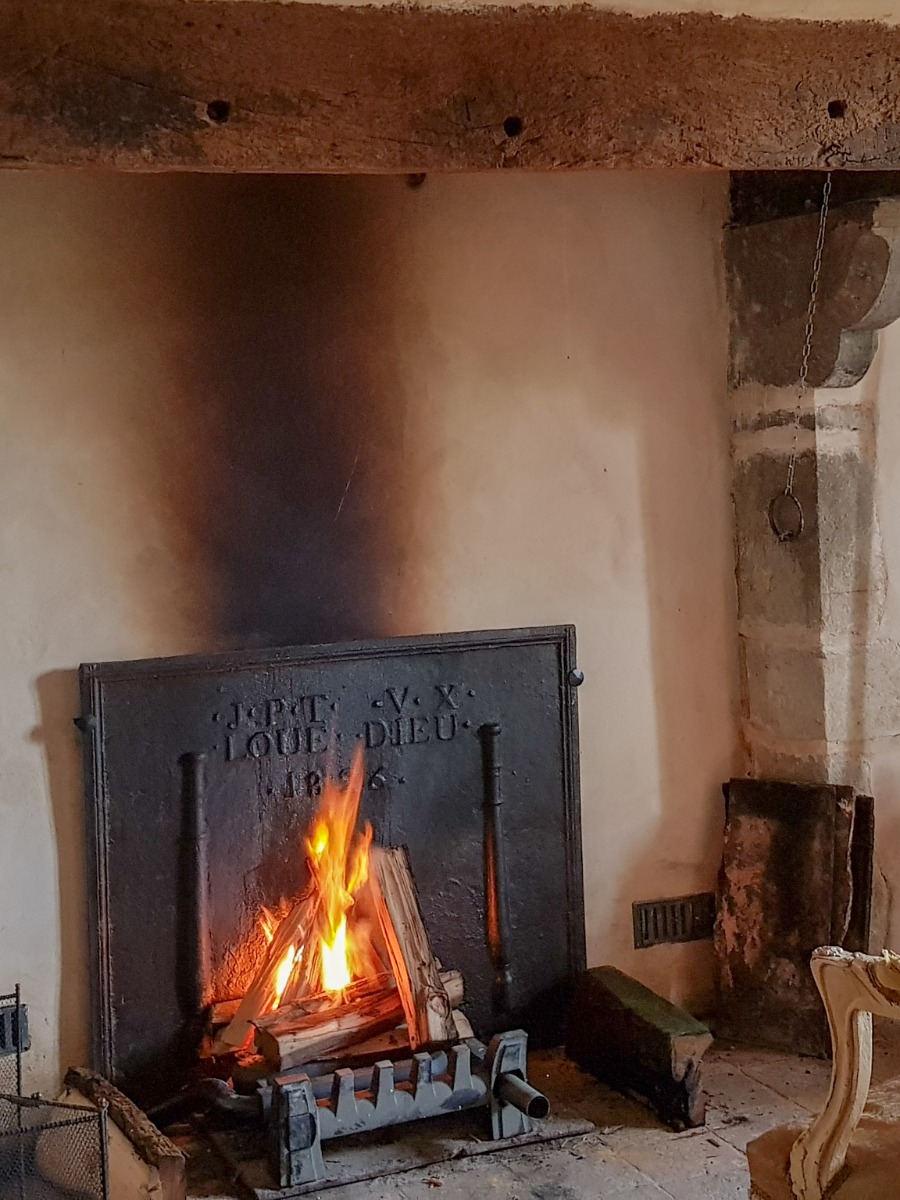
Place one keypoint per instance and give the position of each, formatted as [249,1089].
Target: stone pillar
[816,687]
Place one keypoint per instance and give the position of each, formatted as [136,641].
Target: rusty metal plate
[272,723]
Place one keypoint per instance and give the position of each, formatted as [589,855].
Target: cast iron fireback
[271,723]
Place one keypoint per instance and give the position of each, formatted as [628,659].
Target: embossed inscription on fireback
[307,725]
[272,725]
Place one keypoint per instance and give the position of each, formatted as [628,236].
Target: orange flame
[340,948]
[339,861]
[268,923]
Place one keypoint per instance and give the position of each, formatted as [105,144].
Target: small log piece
[163,1158]
[393,1044]
[462,1025]
[426,1005]
[292,1036]
[454,985]
[638,1042]
[261,995]
[222,1013]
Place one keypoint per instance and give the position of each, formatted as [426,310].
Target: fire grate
[305,1111]
[52,1150]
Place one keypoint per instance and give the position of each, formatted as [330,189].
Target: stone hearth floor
[630,1155]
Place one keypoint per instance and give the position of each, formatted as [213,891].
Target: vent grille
[684,919]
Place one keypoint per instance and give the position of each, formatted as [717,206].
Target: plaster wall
[249,410]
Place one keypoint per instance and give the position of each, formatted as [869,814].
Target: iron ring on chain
[786,516]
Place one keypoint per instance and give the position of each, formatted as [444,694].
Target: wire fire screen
[47,1150]
[51,1151]
[13,1041]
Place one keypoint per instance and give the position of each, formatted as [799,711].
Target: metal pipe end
[521,1095]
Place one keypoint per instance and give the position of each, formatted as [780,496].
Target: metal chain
[808,332]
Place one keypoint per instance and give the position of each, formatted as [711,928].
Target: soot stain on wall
[298,492]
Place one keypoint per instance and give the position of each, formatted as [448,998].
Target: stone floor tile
[801,1081]
[695,1165]
[491,1177]
[740,1107]
[578,1169]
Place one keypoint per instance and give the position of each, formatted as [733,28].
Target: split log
[142,1161]
[251,1070]
[382,1045]
[426,1005]
[462,1025]
[393,1045]
[262,994]
[292,1036]
[222,1013]
[454,985]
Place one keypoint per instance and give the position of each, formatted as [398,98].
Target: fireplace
[318,833]
[333,409]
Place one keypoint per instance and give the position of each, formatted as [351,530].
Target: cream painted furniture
[785,1166]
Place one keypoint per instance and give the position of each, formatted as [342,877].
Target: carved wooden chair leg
[853,987]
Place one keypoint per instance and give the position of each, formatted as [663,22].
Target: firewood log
[426,1005]
[262,994]
[455,987]
[141,1161]
[292,1036]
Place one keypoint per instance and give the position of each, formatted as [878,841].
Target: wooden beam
[259,85]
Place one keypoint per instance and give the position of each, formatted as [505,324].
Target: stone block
[770,758]
[778,582]
[637,1042]
[767,266]
[851,562]
[862,691]
[784,689]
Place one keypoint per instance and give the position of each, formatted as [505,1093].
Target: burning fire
[291,958]
[340,949]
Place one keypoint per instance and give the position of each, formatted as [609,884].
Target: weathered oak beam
[259,85]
